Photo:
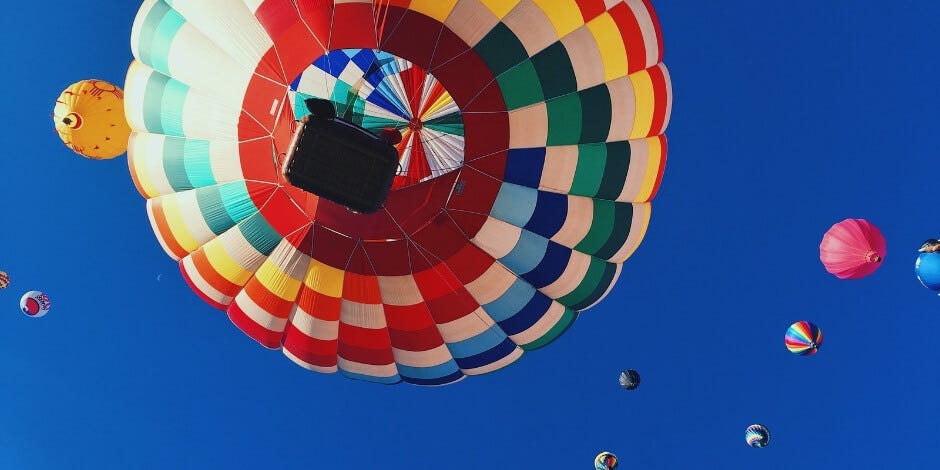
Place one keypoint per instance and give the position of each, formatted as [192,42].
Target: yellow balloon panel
[89,117]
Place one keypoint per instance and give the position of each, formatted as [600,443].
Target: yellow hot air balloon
[89,117]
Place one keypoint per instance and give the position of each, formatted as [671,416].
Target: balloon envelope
[89,118]
[4,280]
[35,303]
[927,269]
[630,379]
[852,249]
[526,172]
[756,435]
[803,338]
[605,461]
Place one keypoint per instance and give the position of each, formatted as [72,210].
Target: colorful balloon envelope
[630,379]
[756,435]
[4,280]
[852,249]
[532,146]
[35,304]
[89,118]
[803,338]
[927,265]
[605,461]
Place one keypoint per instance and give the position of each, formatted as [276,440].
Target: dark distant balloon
[4,280]
[756,435]
[630,379]
[35,303]
[605,461]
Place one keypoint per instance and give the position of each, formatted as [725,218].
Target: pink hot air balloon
[852,249]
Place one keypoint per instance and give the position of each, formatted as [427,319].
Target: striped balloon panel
[803,338]
[539,124]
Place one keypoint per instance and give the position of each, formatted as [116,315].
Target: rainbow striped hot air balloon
[803,338]
[533,146]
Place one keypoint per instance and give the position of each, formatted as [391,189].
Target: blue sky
[788,117]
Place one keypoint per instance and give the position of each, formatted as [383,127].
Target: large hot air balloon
[35,304]
[533,144]
[605,461]
[4,280]
[89,117]
[803,338]
[927,265]
[852,249]
[756,435]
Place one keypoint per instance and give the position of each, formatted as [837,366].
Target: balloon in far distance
[927,266]
[89,117]
[756,435]
[605,461]
[803,338]
[35,304]
[4,280]
[852,249]
[630,379]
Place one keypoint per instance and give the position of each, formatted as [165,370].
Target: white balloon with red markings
[35,303]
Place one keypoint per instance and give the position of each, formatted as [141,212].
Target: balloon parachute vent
[341,162]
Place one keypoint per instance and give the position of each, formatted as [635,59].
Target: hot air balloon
[89,117]
[803,338]
[630,379]
[605,461]
[35,304]
[927,265]
[4,280]
[532,146]
[756,435]
[852,249]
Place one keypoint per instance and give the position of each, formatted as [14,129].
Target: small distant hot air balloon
[630,379]
[756,435]
[35,303]
[4,280]
[927,266]
[89,117]
[852,249]
[605,461]
[803,338]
